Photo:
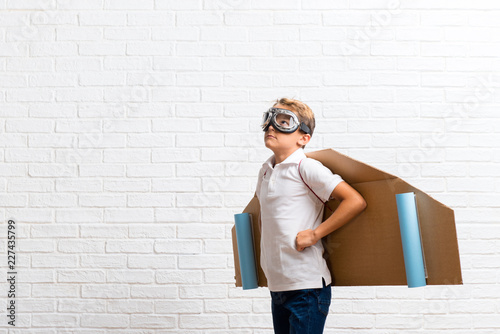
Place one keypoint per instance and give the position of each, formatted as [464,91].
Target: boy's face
[281,143]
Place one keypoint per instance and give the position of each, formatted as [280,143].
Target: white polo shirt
[287,207]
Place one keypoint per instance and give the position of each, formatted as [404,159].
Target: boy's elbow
[361,204]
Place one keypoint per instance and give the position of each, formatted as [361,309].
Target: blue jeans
[300,311]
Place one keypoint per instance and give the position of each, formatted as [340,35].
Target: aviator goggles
[283,120]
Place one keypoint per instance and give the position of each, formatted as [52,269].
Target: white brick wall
[129,136]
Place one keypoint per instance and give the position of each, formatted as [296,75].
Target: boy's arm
[351,204]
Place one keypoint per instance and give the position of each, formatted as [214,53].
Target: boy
[291,206]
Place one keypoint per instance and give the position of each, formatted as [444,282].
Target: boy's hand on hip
[305,239]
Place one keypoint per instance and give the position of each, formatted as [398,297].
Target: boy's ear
[304,139]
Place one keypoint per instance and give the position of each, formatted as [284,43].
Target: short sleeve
[319,178]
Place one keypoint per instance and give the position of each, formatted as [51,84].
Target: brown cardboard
[368,250]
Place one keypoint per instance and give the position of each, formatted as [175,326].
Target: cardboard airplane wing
[368,250]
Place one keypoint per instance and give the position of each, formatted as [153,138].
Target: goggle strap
[305,128]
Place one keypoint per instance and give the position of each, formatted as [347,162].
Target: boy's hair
[302,110]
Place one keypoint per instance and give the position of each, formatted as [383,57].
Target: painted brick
[130,306]
[202,321]
[103,261]
[151,231]
[80,305]
[152,321]
[104,320]
[152,262]
[55,320]
[172,246]
[128,215]
[181,277]
[110,291]
[136,246]
[81,276]
[179,306]
[81,246]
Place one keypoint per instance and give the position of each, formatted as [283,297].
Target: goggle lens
[265,118]
[285,121]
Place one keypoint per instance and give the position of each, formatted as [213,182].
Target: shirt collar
[293,158]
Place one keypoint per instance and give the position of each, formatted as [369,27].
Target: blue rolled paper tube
[246,251]
[410,237]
